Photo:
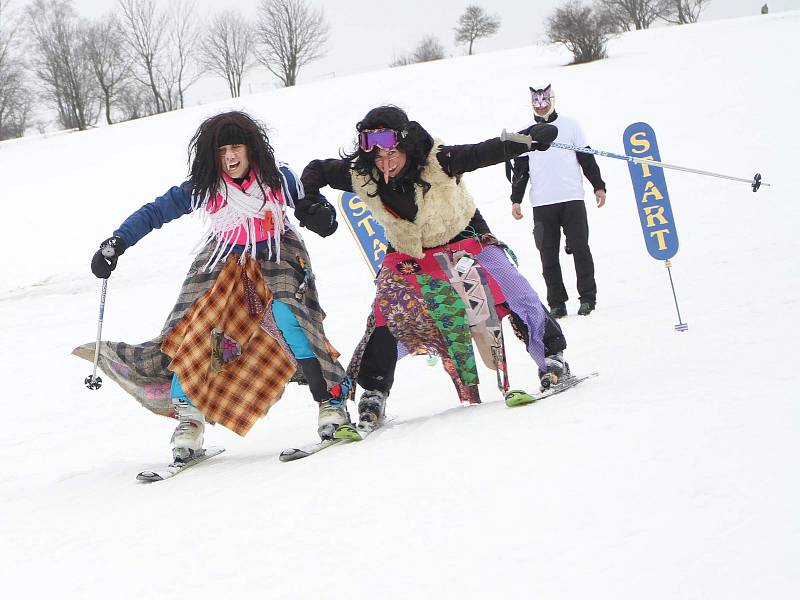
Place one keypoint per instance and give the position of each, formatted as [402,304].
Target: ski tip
[347,432]
[291,454]
[148,477]
[519,398]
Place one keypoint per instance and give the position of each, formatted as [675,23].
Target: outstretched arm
[456,160]
[313,210]
[175,203]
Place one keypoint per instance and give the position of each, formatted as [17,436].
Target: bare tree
[15,101]
[60,61]
[429,48]
[634,14]
[474,24]
[144,30]
[184,37]
[402,61]
[111,65]
[582,29]
[289,35]
[227,49]
[6,32]
[134,101]
[681,12]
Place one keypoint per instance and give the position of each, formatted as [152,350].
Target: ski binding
[521,398]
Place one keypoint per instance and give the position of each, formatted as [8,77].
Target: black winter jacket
[398,195]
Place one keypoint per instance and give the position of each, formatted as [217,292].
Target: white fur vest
[442,213]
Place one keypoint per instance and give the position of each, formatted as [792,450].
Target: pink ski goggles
[385,139]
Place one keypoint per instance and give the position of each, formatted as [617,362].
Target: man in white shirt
[556,194]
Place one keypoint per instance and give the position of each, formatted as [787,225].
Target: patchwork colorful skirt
[440,303]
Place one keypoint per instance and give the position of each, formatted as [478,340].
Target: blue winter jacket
[178,202]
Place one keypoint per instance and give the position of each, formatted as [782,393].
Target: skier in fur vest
[247,319]
[414,186]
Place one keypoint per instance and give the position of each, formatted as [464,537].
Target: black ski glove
[543,134]
[319,217]
[105,259]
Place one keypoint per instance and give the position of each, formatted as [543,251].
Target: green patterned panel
[450,315]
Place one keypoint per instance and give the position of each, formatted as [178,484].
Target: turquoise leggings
[292,333]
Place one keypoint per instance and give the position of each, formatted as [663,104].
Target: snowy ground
[673,475]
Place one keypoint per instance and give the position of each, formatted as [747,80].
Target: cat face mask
[542,101]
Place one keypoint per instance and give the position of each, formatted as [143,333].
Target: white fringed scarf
[241,210]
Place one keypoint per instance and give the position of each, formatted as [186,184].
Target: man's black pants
[547,224]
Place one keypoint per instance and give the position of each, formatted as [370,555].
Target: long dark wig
[414,141]
[206,169]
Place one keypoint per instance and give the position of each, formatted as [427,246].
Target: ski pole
[522,138]
[94,382]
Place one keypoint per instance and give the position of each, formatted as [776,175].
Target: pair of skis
[349,433]
[346,433]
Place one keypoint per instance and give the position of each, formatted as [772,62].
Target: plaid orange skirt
[239,392]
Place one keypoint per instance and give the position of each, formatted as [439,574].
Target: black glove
[543,134]
[319,217]
[105,259]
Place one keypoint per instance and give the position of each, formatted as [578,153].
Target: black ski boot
[557,370]
[371,409]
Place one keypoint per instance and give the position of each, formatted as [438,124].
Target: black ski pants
[548,221]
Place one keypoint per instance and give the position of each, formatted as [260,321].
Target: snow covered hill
[672,475]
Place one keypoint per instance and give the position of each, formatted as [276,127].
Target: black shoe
[586,308]
[558,311]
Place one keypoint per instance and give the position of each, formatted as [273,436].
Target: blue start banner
[650,187]
[366,230]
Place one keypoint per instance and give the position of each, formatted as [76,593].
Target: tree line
[140,59]
[585,29]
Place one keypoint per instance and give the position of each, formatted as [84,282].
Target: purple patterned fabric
[520,296]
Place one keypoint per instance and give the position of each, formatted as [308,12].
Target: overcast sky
[369,34]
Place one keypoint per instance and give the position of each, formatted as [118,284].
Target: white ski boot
[187,440]
[371,409]
[332,414]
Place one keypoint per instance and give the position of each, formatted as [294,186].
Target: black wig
[206,170]
[413,140]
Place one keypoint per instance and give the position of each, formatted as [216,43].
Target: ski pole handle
[92,381]
[111,254]
[520,138]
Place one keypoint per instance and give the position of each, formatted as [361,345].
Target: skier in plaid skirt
[248,319]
